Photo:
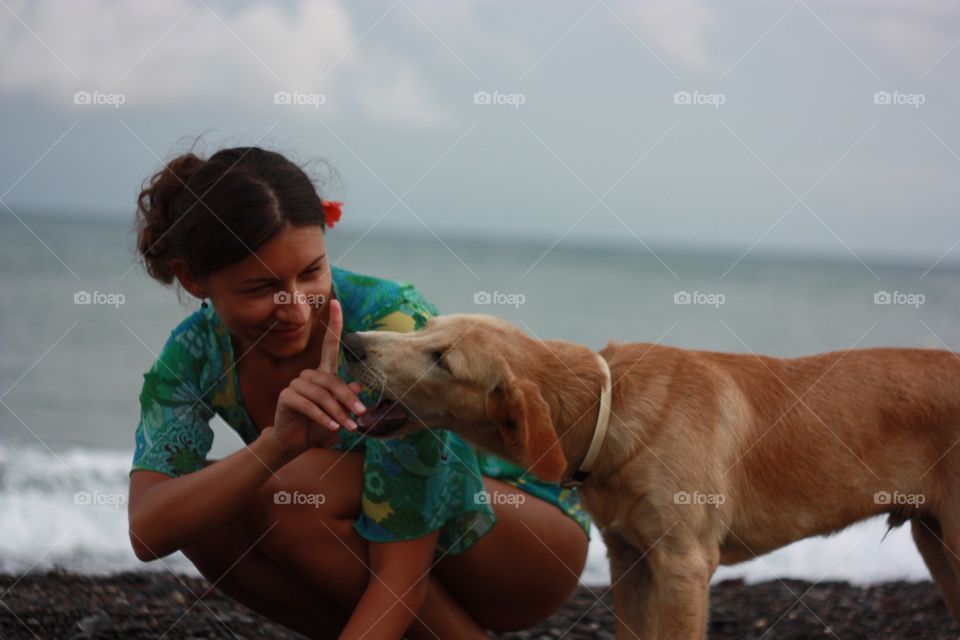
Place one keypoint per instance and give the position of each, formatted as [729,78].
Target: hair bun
[158,210]
[214,213]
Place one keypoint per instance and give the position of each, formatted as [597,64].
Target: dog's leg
[630,579]
[681,579]
[944,568]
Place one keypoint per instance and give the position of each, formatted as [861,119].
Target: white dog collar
[599,433]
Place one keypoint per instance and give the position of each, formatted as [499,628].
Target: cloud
[182,53]
[910,34]
[913,37]
[680,30]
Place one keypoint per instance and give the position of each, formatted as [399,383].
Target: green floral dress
[412,484]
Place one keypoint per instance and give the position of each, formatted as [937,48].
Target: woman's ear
[194,287]
[527,428]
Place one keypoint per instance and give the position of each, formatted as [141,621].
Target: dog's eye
[439,360]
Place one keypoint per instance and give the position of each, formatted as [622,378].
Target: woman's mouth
[288,333]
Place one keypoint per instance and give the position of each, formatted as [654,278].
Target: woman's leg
[231,562]
[308,566]
[524,569]
[234,558]
[316,540]
[304,565]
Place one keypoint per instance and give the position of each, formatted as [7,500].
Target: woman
[310,524]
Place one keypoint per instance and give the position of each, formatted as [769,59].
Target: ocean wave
[68,509]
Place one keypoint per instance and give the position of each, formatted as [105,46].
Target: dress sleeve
[174,434]
[420,482]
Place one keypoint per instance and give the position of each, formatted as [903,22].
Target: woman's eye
[261,289]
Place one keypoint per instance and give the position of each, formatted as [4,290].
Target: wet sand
[151,605]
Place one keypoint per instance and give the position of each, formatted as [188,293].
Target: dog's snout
[353,348]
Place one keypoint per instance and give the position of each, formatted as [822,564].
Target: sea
[80,323]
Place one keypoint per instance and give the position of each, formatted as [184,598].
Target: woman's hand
[318,402]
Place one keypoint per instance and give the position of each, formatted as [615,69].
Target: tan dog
[709,457]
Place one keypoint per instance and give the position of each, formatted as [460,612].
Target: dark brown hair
[214,213]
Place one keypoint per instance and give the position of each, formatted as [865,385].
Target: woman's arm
[167,513]
[399,576]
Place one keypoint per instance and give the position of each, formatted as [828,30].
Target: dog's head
[472,374]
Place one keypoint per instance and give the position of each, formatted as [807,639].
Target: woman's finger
[347,395]
[331,339]
[305,407]
[323,398]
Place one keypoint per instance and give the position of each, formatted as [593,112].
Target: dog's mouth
[383,418]
[387,415]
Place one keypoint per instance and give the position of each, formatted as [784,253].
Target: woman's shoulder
[191,347]
[194,334]
[375,303]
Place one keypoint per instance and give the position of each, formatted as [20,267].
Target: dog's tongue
[384,416]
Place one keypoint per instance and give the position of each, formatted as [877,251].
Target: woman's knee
[215,553]
[316,495]
[310,503]
[325,479]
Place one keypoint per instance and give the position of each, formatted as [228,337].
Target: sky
[820,128]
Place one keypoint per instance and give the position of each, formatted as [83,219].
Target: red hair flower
[331,212]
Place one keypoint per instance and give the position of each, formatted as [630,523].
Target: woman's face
[276,299]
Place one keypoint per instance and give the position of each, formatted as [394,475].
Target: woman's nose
[293,309]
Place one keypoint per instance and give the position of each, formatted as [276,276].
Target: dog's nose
[353,348]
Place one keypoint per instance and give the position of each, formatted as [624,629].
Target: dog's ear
[526,427]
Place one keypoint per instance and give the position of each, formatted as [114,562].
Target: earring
[204,305]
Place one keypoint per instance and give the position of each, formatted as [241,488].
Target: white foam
[68,509]
[855,555]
